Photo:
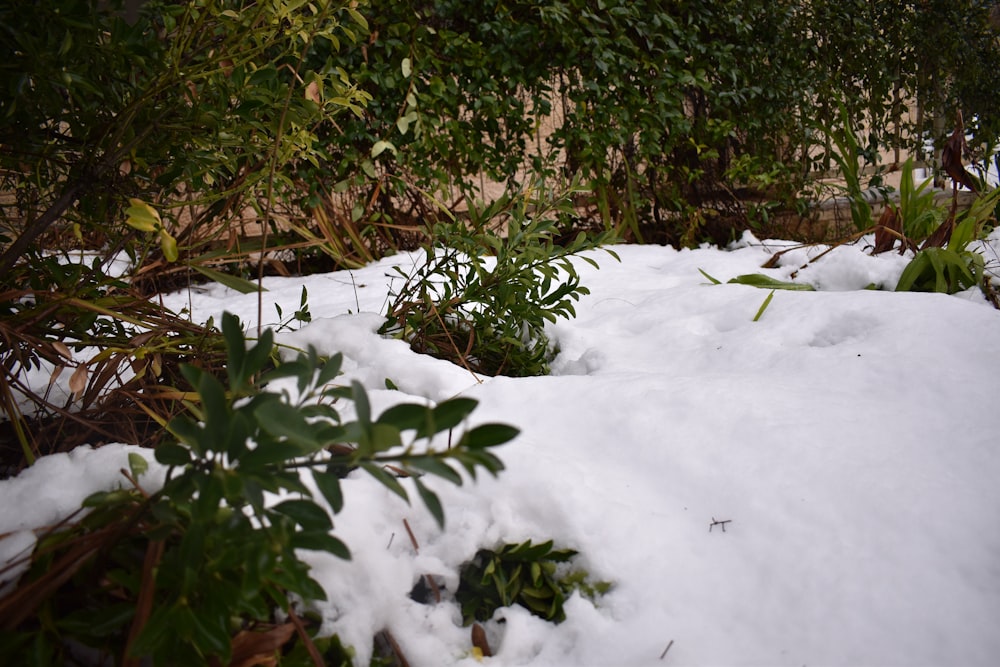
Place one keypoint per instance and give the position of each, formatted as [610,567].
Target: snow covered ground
[849,437]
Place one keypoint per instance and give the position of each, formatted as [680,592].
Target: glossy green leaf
[361,405]
[284,421]
[452,412]
[329,485]
[431,501]
[305,513]
[435,466]
[407,416]
[170,454]
[321,541]
[489,435]
[386,479]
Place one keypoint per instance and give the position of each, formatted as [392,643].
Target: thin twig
[463,358]
[664,654]
[413,539]
[300,628]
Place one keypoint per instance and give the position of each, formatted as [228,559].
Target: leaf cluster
[956,266]
[535,576]
[178,575]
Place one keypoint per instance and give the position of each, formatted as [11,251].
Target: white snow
[849,437]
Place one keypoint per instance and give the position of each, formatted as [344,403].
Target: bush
[202,108]
[487,286]
[205,568]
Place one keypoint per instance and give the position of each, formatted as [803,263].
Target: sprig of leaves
[482,298]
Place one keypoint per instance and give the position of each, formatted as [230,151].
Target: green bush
[487,286]
[201,569]
[201,108]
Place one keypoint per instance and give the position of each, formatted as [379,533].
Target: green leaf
[156,631]
[381,146]
[168,244]
[435,466]
[232,282]
[357,17]
[432,502]
[282,420]
[170,454]
[328,484]
[142,216]
[232,333]
[306,513]
[237,434]
[210,492]
[210,633]
[266,452]
[407,416]
[763,306]
[190,555]
[452,412]
[361,405]
[385,479]
[320,541]
[330,369]
[712,280]
[103,622]
[767,282]
[137,464]
[527,551]
[217,413]
[383,437]
[489,435]
[258,356]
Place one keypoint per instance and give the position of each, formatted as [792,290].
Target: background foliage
[147,144]
[680,117]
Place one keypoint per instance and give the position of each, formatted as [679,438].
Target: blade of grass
[763,306]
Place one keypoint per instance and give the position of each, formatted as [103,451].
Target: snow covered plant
[536,576]
[488,285]
[205,570]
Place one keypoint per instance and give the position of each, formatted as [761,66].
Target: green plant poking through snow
[207,567]
[536,576]
[489,284]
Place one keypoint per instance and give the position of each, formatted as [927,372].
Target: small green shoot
[763,306]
